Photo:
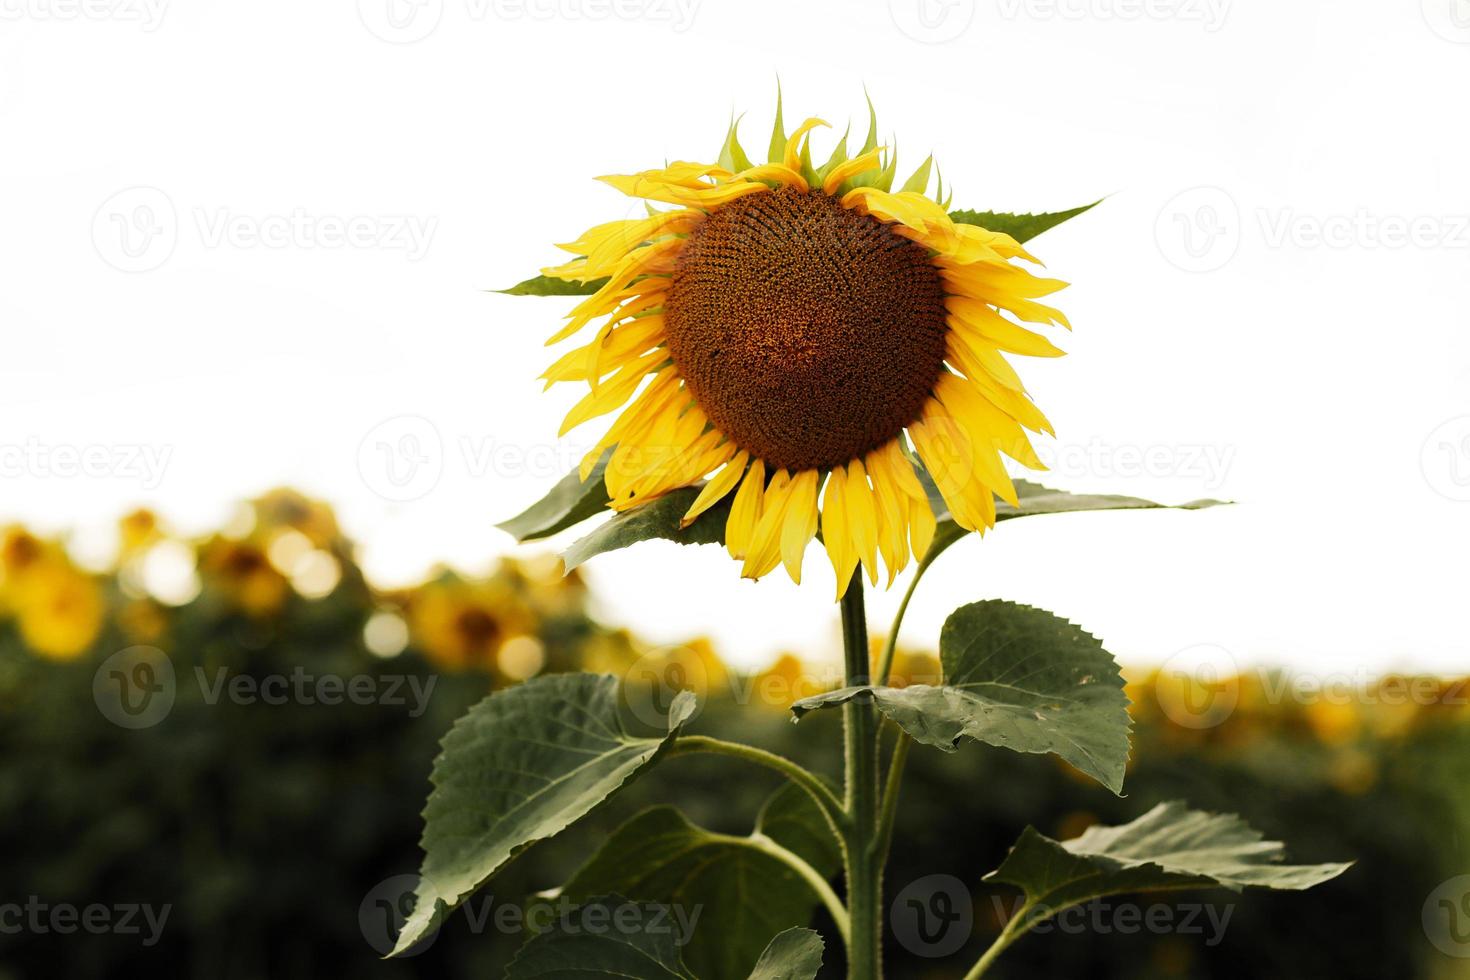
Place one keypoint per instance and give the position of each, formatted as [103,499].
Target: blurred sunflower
[241,573]
[794,333]
[462,624]
[58,608]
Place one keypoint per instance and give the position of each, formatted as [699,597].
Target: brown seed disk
[809,334]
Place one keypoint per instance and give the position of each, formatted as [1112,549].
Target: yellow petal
[745,512]
[765,544]
[800,525]
[835,532]
[921,526]
[862,517]
[715,490]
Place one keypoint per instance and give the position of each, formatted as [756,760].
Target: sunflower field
[224,742]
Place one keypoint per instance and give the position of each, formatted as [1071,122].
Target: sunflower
[811,341]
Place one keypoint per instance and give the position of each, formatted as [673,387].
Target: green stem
[825,798]
[890,794]
[1017,927]
[813,878]
[860,736]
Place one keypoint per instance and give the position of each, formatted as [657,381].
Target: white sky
[1248,316]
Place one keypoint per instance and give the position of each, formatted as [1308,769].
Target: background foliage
[266,827]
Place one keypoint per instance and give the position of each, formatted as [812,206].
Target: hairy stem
[860,735]
[825,798]
[1017,927]
[890,794]
[810,875]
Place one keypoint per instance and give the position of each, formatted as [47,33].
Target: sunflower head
[811,341]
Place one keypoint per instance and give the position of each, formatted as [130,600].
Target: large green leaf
[547,286]
[1033,499]
[520,766]
[657,519]
[744,894]
[612,937]
[608,936]
[572,501]
[1021,227]
[1169,847]
[795,954]
[1015,677]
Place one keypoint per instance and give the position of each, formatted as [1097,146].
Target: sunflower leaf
[657,519]
[618,939]
[609,937]
[1021,227]
[743,893]
[521,766]
[795,954]
[572,501]
[1169,847]
[547,286]
[1034,499]
[1018,678]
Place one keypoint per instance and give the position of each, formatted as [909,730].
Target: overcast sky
[248,245]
